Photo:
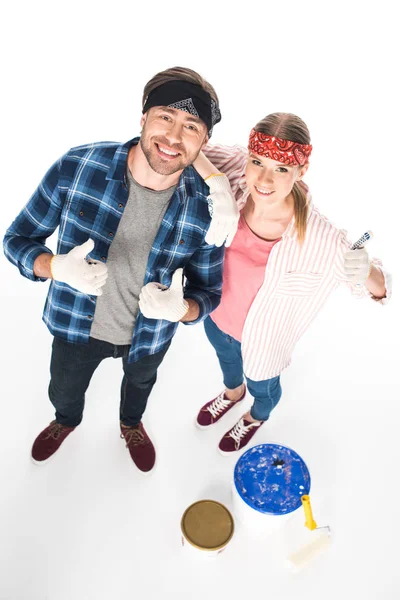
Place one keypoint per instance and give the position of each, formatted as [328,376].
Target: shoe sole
[204,426]
[145,473]
[40,463]
[224,453]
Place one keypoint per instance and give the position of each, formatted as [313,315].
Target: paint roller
[317,539]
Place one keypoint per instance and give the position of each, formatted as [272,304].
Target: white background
[88,525]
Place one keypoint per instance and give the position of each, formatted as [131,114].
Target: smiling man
[133,219]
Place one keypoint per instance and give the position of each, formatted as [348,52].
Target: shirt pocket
[180,248]
[298,284]
[83,215]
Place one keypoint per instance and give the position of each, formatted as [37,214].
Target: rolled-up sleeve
[25,239]
[230,160]
[204,279]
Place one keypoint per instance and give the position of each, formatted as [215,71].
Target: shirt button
[120,206]
[111,234]
[90,317]
[103,258]
[81,213]
[181,241]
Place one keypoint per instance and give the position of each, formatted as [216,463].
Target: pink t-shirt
[244,271]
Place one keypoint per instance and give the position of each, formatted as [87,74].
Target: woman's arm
[378,284]
[204,167]
[375,283]
[223,174]
[229,160]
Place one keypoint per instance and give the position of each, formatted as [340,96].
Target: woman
[283,263]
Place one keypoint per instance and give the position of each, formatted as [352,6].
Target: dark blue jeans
[266,393]
[72,367]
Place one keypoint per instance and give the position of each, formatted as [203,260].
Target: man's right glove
[73,268]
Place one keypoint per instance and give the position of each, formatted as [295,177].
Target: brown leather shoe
[140,446]
[49,441]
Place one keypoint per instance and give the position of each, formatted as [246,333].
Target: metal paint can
[269,481]
[207,527]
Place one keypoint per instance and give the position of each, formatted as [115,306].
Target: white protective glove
[156,301]
[73,268]
[223,210]
[357,266]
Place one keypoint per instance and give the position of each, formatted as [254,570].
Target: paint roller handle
[310,523]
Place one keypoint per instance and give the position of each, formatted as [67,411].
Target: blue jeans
[72,367]
[266,393]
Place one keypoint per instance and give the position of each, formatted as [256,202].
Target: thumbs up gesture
[157,301]
[73,268]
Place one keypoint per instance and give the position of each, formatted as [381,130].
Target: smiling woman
[284,262]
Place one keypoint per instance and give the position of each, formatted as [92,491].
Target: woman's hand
[221,203]
[223,210]
[357,266]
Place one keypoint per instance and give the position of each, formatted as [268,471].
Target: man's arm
[24,241]
[193,312]
[41,266]
[204,283]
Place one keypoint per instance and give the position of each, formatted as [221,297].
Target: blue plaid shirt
[84,194]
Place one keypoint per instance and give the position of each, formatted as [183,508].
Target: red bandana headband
[284,151]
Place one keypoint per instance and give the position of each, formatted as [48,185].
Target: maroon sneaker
[215,409]
[140,447]
[49,441]
[239,436]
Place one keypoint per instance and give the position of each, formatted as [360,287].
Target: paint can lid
[271,479]
[207,525]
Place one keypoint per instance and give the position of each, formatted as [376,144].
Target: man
[132,219]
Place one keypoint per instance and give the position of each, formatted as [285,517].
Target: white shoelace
[218,405]
[239,431]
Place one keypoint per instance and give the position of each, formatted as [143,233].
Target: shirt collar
[187,182]
[117,168]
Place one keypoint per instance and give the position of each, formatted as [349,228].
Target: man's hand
[223,210]
[156,301]
[73,268]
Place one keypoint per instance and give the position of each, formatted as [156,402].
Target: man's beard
[165,167]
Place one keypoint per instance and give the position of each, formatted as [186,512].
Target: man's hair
[290,127]
[178,74]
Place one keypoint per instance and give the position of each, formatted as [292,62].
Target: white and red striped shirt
[298,278]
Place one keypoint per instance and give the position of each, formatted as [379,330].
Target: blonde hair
[290,127]
[180,74]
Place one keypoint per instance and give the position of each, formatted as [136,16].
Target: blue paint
[271,479]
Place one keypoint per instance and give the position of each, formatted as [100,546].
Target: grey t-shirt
[117,307]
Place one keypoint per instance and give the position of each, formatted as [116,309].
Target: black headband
[186,96]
